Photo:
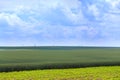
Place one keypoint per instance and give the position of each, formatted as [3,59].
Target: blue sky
[60,22]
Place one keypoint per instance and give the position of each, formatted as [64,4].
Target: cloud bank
[60,22]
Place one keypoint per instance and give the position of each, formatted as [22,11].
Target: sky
[60,23]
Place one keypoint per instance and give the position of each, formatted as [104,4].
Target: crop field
[30,58]
[94,73]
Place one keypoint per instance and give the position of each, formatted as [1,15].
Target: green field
[94,73]
[29,58]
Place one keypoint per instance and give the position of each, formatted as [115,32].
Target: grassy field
[12,59]
[94,73]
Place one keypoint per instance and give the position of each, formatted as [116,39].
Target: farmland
[31,58]
[94,73]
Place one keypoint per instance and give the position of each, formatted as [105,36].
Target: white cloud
[114,6]
[95,10]
[16,23]
[12,19]
[73,10]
